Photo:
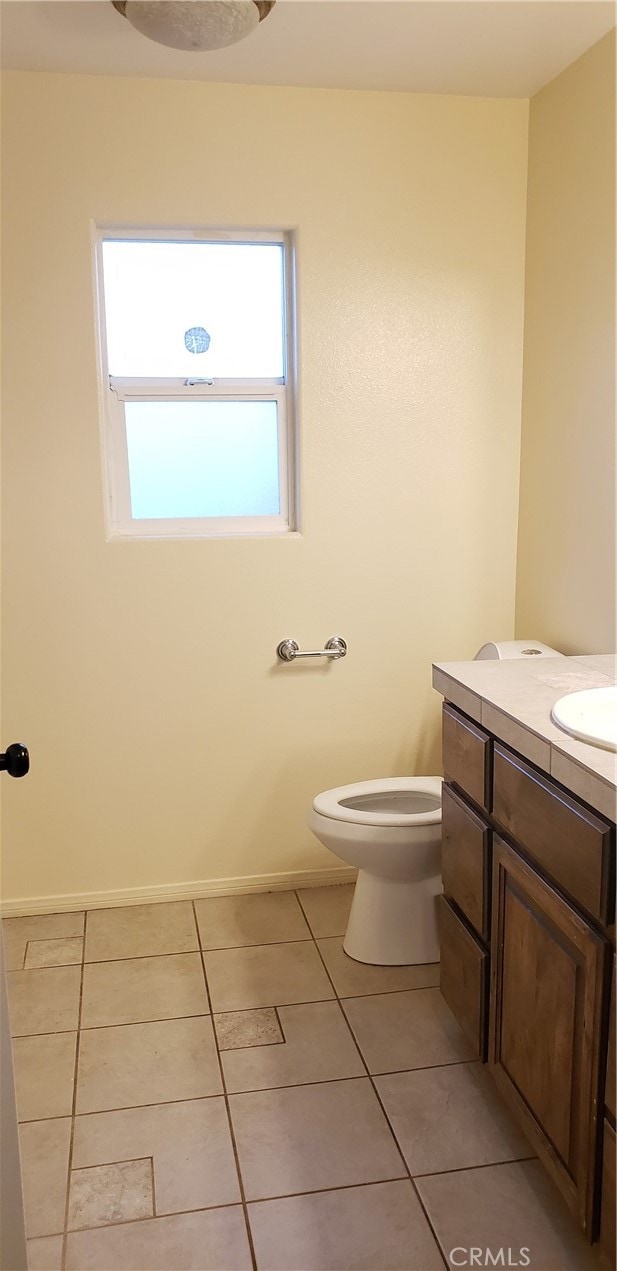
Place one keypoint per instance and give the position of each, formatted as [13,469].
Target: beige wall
[566,561]
[167,747]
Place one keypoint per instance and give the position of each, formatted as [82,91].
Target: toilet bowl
[391,830]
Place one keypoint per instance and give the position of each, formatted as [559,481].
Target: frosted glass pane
[190,459]
[156,292]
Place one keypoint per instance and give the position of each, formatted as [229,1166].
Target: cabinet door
[546,1022]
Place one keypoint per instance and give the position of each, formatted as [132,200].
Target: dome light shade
[197,25]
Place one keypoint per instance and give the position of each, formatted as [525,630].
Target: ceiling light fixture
[198,25]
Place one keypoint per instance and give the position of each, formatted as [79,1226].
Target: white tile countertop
[512,699]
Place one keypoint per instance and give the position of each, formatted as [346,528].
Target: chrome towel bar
[289,650]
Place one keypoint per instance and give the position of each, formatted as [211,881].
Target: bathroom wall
[168,748]
[566,560]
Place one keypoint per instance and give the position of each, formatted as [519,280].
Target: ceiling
[492,48]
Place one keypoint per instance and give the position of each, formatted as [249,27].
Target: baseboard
[27,905]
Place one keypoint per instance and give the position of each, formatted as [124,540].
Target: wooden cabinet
[546,1022]
[526,941]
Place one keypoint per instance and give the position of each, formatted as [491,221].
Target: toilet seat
[370,810]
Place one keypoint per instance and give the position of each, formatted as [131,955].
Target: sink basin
[590,715]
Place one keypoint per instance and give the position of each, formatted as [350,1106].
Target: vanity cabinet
[527,949]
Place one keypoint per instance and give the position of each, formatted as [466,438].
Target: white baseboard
[27,905]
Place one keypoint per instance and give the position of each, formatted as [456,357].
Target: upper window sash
[281,240]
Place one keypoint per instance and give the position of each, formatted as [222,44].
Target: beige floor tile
[190,1143]
[351,978]
[248,1028]
[61,951]
[450,1118]
[308,1137]
[318,1047]
[44,1001]
[138,931]
[45,1253]
[213,1240]
[44,1149]
[327,908]
[505,1207]
[17,932]
[225,922]
[266,975]
[139,989]
[44,1068]
[105,1194]
[135,1064]
[396,1031]
[361,1228]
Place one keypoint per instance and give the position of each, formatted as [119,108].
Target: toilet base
[393,923]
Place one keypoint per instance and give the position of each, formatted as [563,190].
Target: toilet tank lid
[516,649]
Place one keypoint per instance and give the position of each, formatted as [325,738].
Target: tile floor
[216,1085]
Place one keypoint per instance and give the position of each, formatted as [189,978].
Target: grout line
[127,1107]
[180,953]
[257,944]
[235,1010]
[467,1169]
[313,1191]
[74,1100]
[279,1021]
[342,1187]
[59,1032]
[387,1119]
[293,1085]
[129,1222]
[144,957]
[154,1213]
[124,1160]
[231,1050]
[135,1023]
[249,1234]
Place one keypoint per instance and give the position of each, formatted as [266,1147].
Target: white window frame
[115,391]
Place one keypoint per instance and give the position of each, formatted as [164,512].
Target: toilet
[390,829]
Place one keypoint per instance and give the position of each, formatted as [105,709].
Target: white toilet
[391,830]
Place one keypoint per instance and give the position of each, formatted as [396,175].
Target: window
[196,339]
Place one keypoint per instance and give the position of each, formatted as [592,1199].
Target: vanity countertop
[512,699]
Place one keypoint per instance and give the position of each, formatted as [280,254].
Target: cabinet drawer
[464,976]
[611,1073]
[465,859]
[569,842]
[466,755]
[607,1211]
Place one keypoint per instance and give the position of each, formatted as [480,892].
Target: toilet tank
[516,649]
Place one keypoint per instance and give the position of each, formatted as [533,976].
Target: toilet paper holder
[289,650]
